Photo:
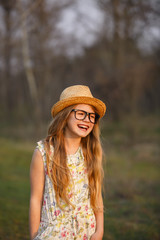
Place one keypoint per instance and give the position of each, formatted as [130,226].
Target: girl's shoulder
[41,147]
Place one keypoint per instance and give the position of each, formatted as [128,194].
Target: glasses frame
[97,116]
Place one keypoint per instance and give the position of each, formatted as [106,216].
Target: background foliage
[39,58]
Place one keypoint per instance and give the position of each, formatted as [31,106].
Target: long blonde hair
[57,164]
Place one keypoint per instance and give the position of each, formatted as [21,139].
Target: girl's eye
[80,113]
[92,116]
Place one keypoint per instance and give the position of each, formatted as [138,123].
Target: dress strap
[41,148]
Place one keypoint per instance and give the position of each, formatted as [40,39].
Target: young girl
[66,171]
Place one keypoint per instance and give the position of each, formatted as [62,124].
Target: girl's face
[76,125]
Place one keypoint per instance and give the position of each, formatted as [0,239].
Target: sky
[80,23]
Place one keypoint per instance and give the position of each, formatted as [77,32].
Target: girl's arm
[98,235]
[37,177]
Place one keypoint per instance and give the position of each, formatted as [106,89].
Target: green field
[132,177]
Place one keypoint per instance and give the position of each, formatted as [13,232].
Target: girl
[66,171]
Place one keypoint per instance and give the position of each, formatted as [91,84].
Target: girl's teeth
[84,127]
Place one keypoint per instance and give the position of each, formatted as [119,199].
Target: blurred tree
[7,6]
[28,66]
[116,68]
[129,68]
[42,34]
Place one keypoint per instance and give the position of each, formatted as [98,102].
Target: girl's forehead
[85,107]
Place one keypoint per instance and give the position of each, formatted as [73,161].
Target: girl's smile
[83,127]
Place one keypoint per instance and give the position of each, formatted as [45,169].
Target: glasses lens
[80,115]
[92,117]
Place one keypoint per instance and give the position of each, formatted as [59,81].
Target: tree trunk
[7,60]
[29,73]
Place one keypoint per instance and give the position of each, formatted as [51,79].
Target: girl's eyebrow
[82,110]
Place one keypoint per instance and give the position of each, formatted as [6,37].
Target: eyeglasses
[81,115]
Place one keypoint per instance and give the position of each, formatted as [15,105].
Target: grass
[14,187]
[132,178]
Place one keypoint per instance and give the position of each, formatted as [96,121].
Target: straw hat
[78,94]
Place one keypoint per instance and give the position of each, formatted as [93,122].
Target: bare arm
[100,219]
[37,178]
[98,235]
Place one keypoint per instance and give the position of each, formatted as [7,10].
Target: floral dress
[73,223]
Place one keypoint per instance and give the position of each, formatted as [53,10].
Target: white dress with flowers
[73,223]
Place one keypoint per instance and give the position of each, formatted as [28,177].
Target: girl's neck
[72,145]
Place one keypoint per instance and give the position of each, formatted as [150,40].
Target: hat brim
[60,105]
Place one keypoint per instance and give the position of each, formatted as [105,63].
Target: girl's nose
[87,118]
